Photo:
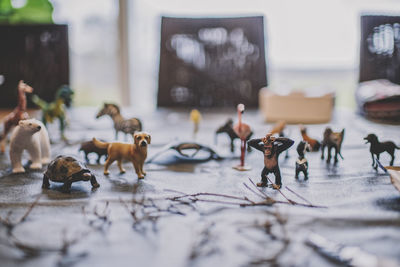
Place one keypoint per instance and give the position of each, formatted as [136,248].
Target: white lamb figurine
[31,135]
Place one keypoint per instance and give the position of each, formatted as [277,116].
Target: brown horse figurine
[19,113]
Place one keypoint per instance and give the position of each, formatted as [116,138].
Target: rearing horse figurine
[127,126]
[19,113]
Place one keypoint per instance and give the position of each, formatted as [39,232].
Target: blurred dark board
[37,54]
[211,62]
[380,48]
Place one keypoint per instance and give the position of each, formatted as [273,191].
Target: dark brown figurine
[332,140]
[301,162]
[89,147]
[314,144]
[228,129]
[67,170]
[377,148]
[127,126]
[19,113]
[271,147]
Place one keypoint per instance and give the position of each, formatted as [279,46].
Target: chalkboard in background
[380,48]
[37,54]
[211,62]
[377,94]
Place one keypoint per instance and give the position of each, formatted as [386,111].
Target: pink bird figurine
[243,131]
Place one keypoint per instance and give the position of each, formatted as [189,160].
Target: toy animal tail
[100,144]
[39,102]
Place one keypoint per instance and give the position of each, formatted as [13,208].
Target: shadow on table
[392,204]
[79,190]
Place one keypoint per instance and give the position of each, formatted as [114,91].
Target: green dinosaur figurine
[55,109]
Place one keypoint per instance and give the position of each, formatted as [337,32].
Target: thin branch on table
[296,194]
[9,224]
[241,201]
[146,210]
[101,220]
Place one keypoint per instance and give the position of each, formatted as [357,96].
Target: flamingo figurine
[243,131]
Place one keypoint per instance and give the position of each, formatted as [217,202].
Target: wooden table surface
[127,222]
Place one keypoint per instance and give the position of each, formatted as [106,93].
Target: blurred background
[114,45]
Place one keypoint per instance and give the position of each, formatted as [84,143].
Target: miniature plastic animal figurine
[30,135]
[228,129]
[243,131]
[332,140]
[301,162]
[129,126]
[278,128]
[19,113]
[314,144]
[188,146]
[67,170]
[377,148]
[195,117]
[135,153]
[89,147]
[56,109]
[272,147]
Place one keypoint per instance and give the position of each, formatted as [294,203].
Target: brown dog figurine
[135,153]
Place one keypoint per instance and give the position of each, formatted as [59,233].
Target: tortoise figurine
[66,169]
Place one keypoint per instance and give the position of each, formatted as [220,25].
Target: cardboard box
[296,107]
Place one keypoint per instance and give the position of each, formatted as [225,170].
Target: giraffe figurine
[19,113]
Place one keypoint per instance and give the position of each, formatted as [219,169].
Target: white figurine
[31,135]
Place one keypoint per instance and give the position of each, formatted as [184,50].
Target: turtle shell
[63,168]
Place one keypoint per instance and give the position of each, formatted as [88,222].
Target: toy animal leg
[62,126]
[297,173]
[46,183]
[15,157]
[336,154]
[137,170]
[66,187]
[98,158]
[141,168]
[264,178]
[373,160]
[94,182]
[277,173]
[45,146]
[376,163]
[107,164]
[35,154]
[322,151]
[328,159]
[391,162]
[7,128]
[305,174]
[232,146]
[121,169]
[3,145]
